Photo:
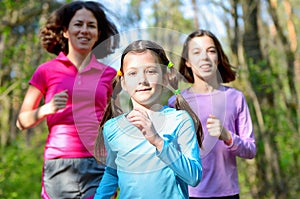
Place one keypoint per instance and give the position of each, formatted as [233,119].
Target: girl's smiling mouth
[143,89]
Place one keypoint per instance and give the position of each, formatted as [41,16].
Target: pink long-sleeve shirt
[220,174]
[73,130]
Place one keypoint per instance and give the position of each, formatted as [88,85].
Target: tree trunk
[195,9]
[269,172]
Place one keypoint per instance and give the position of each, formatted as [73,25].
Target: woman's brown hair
[180,104]
[51,34]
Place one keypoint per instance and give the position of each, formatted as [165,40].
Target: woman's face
[82,32]
[143,78]
[203,58]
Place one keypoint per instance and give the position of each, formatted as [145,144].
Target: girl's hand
[216,129]
[141,120]
[59,101]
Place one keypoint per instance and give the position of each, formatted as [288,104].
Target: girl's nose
[203,55]
[142,78]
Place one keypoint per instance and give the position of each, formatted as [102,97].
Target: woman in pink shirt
[75,88]
[223,111]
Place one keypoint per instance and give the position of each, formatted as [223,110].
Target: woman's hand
[141,120]
[30,114]
[59,101]
[216,129]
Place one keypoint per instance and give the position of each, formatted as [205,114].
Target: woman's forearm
[29,119]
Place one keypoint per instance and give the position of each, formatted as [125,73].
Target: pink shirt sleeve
[39,80]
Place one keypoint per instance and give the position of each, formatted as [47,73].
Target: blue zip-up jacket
[140,170]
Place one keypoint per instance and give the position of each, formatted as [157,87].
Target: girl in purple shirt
[223,111]
[75,88]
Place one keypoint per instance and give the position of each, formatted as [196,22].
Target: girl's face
[203,58]
[82,32]
[142,78]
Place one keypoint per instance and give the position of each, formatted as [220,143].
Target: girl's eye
[212,51]
[197,52]
[151,71]
[133,73]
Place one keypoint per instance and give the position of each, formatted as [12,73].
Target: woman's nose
[84,28]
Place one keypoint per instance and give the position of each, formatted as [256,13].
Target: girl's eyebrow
[196,48]
[199,48]
[136,66]
[131,67]
[152,65]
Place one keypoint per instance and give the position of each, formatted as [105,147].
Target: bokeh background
[260,37]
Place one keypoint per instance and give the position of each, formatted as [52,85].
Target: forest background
[261,38]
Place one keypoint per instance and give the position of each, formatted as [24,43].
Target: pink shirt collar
[94,63]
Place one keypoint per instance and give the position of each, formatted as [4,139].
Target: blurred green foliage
[274,171]
[21,168]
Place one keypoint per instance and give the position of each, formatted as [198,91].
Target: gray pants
[71,178]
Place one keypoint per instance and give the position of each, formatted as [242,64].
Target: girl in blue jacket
[152,151]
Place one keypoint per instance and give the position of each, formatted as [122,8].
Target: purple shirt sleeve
[243,139]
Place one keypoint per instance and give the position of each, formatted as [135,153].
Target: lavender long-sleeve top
[220,175]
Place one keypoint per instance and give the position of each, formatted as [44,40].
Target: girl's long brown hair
[113,110]
[225,68]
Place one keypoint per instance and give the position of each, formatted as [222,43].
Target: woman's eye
[92,26]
